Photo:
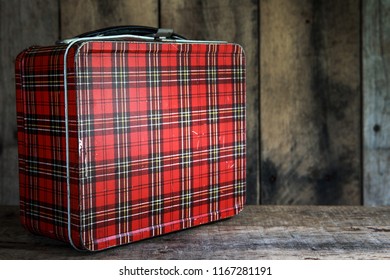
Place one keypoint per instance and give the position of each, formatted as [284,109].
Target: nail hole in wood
[377,128]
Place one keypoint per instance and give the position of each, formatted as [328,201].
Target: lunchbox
[127,133]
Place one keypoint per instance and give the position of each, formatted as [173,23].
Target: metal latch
[163,33]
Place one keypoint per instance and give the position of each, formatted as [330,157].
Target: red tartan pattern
[156,139]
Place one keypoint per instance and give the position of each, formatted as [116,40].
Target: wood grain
[376,100]
[233,21]
[22,24]
[310,102]
[259,232]
[82,16]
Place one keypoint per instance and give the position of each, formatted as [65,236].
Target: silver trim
[67,144]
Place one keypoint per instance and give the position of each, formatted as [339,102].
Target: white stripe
[162,124]
[139,81]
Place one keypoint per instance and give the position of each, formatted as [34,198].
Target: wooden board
[310,102]
[233,21]
[22,24]
[259,232]
[376,101]
[82,16]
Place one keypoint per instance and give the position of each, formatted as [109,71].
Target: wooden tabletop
[259,232]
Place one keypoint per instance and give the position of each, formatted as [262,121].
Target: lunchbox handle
[136,30]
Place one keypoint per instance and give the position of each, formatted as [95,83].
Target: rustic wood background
[317,85]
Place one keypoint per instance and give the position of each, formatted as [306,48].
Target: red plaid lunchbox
[128,133]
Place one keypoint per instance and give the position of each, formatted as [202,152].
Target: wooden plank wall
[376,100]
[78,17]
[310,102]
[304,73]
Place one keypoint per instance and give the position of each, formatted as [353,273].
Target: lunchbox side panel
[161,136]
[42,143]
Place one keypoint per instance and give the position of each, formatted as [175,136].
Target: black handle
[131,30]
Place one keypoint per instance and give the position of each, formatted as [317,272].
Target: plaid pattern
[156,139]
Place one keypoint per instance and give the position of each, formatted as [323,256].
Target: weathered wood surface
[310,102]
[259,232]
[376,102]
[233,21]
[82,16]
[22,24]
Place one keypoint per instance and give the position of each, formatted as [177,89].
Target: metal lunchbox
[128,133]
